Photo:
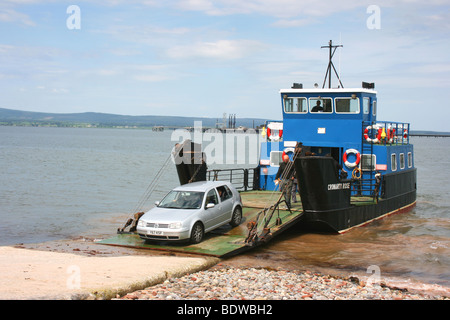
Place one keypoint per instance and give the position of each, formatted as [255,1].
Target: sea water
[62,183]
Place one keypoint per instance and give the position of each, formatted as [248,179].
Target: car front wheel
[236,218]
[197,233]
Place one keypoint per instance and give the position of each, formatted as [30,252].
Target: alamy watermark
[74,20]
[375,278]
[73,281]
[233,147]
[373,22]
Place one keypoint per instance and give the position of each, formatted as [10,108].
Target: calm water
[63,182]
[59,183]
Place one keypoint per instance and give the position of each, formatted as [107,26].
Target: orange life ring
[269,134]
[285,152]
[378,136]
[351,164]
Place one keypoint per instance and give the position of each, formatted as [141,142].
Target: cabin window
[374,108]
[288,105]
[366,105]
[347,105]
[402,161]
[393,162]
[276,158]
[295,105]
[320,105]
[409,159]
[368,162]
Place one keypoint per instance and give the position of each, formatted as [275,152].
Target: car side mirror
[210,205]
[157,203]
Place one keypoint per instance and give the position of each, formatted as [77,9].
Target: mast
[332,49]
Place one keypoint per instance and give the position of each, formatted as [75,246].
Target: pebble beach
[225,283]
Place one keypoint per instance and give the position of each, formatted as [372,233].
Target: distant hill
[94,119]
[11,117]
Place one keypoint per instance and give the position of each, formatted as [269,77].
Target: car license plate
[155,233]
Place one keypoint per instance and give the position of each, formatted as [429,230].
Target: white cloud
[221,49]
[151,35]
[138,72]
[13,16]
[278,8]
[293,22]
[125,52]
[432,68]
[153,77]
[50,90]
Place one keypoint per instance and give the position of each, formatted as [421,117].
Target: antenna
[331,65]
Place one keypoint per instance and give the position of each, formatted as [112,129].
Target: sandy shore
[85,270]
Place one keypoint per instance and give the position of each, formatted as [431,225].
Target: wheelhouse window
[275,158]
[295,105]
[368,162]
[347,105]
[320,105]
[409,159]
[366,105]
[393,162]
[402,161]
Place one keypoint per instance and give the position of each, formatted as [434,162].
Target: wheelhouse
[326,117]
[341,123]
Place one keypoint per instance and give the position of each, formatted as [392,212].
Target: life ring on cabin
[274,137]
[285,152]
[378,136]
[351,164]
[356,173]
[274,131]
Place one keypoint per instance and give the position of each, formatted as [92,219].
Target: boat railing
[363,188]
[241,178]
[386,132]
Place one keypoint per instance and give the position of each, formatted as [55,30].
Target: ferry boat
[350,167]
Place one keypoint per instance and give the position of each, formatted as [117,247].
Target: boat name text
[339,186]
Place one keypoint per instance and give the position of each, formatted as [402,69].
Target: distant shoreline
[46,124]
[10,117]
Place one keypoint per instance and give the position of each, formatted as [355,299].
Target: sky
[203,58]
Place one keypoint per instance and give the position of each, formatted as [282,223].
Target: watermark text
[373,22]
[73,22]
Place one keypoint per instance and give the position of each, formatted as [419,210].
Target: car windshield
[182,200]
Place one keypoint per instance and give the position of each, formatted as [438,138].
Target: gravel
[263,284]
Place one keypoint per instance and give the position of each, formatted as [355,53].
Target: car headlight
[175,225]
[142,223]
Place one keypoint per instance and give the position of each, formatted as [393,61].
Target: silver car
[190,211]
